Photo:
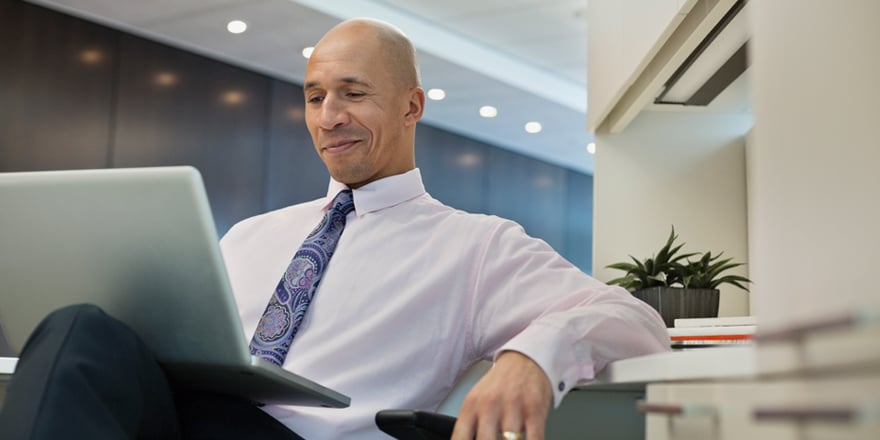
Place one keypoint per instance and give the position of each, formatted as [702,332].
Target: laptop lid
[138,242]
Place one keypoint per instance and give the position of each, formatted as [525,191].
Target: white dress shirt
[417,292]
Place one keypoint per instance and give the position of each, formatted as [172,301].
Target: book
[711,336]
[723,321]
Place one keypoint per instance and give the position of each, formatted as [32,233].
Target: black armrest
[407,424]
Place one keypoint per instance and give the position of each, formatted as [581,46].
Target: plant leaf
[736,280]
[627,267]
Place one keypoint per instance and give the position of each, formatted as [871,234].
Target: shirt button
[561,386]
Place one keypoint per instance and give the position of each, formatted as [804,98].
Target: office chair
[409,424]
[405,424]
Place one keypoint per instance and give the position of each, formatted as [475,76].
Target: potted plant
[678,285]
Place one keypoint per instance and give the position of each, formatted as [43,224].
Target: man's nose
[333,113]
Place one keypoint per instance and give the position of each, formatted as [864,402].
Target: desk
[605,408]
[734,362]
[7,366]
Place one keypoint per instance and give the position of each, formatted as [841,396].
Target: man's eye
[315,99]
[356,94]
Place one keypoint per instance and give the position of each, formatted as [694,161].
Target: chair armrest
[406,424]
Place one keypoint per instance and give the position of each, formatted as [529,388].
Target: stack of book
[712,332]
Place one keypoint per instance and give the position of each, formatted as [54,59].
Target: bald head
[386,44]
[363,101]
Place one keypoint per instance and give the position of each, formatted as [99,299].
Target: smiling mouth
[341,146]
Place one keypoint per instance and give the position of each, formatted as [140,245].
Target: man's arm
[549,326]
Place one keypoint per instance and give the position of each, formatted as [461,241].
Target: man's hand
[515,395]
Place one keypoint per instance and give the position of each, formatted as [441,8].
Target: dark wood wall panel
[295,173]
[453,168]
[56,82]
[176,108]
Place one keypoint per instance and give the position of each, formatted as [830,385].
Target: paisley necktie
[295,291]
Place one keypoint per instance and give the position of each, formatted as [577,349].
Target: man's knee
[87,311]
[80,337]
[80,322]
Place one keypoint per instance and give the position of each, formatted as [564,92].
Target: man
[416,291]
[414,294]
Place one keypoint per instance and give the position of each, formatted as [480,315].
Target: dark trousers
[85,375]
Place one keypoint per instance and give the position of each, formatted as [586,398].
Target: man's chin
[349,177]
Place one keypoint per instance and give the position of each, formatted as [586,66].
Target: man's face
[355,112]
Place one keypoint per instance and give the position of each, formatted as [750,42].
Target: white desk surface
[7,366]
[734,362]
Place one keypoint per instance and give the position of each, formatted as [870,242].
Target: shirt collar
[382,193]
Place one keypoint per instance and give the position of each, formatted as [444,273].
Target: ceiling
[527,58]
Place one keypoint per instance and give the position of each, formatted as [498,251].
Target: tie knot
[343,202]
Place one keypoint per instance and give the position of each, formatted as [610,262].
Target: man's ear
[415,106]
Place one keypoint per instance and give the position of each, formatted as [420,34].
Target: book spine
[715,322]
[713,338]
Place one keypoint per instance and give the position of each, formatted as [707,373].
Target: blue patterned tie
[294,292]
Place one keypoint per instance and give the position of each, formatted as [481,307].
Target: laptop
[140,243]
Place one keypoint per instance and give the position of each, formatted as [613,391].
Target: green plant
[668,268]
[705,273]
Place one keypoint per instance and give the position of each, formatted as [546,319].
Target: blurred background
[83,85]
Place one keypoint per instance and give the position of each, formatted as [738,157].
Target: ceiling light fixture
[716,62]
[307,52]
[236,26]
[436,94]
[533,127]
[591,148]
[487,111]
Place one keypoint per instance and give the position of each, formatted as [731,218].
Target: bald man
[412,293]
[417,292]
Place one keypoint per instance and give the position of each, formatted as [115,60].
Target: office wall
[74,94]
[685,169]
[814,186]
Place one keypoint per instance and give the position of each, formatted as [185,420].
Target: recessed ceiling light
[591,148]
[236,26]
[307,52]
[487,111]
[533,127]
[436,94]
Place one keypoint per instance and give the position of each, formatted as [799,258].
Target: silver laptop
[141,244]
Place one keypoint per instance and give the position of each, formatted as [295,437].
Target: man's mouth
[340,146]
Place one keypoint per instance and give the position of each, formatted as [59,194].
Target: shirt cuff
[552,349]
